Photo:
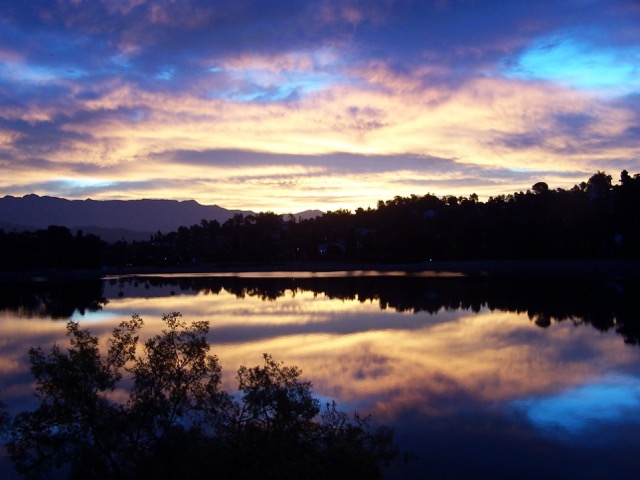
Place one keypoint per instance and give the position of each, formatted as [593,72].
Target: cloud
[344,101]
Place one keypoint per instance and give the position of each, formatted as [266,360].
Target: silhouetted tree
[4,420]
[540,187]
[599,185]
[177,421]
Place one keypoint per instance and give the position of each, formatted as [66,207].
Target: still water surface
[479,377]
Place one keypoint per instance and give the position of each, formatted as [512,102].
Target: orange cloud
[491,123]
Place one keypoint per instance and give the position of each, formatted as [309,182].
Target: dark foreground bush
[176,421]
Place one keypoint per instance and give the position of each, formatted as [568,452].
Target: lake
[480,377]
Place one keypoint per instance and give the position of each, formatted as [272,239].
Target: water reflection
[56,300]
[495,368]
[604,305]
[571,413]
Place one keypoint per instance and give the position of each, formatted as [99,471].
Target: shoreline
[471,268]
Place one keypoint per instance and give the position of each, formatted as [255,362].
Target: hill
[110,219]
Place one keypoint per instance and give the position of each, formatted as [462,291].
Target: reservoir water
[483,377]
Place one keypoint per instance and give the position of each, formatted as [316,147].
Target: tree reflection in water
[414,349]
[604,304]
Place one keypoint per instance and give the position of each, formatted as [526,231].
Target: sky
[269,105]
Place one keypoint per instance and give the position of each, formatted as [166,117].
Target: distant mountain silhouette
[113,220]
[110,219]
[306,215]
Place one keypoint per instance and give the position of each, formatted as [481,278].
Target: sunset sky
[299,104]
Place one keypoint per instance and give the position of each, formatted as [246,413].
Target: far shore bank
[603,268]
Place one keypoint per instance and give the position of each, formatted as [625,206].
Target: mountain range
[113,220]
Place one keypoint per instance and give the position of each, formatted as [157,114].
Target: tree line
[595,219]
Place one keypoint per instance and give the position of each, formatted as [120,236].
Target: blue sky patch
[581,64]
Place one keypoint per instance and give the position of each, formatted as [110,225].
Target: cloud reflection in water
[450,364]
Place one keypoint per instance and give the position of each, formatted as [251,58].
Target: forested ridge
[596,219]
